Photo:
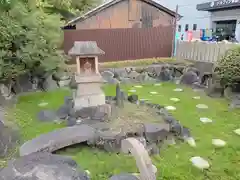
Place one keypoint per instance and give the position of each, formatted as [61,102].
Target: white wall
[187,8]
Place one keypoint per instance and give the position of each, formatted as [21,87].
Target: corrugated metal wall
[125,44]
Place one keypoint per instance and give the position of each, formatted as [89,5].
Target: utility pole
[174,30]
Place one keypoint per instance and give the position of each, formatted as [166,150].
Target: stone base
[89,101]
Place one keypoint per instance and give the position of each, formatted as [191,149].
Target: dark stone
[49,84]
[193,69]
[71,121]
[156,132]
[188,78]
[118,95]
[133,98]
[73,84]
[64,111]
[214,88]
[124,177]
[165,74]
[99,116]
[109,140]
[169,119]
[39,166]
[8,140]
[176,128]
[185,133]
[47,115]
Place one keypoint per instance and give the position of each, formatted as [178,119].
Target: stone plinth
[89,92]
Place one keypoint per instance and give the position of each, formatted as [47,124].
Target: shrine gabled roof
[81,48]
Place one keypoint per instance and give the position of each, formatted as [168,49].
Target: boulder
[165,74]
[47,116]
[214,88]
[42,166]
[133,75]
[189,78]
[133,98]
[155,132]
[49,84]
[61,76]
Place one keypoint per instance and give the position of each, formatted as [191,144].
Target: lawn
[173,162]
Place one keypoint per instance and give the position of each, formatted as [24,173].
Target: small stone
[153,92]
[178,90]
[218,142]
[175,99]
[200,163]
[237,131]
[88,172]
[196,97]
[79,121]
[202,106]
[42,104]
[157,84]
[205,120]
[138,86]
[191,142]
[170,108]
[132,90]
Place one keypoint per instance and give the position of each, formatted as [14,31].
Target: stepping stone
[200,163]
[144,99]
[132,90]
[170,108]
[218,142]
[197,97]
[88,172]
[202,106]
[237,131]
[138,86]
[205,120]
[178,90]
[153,92]
[175,99]
[191,142]
[177,82]
[157,84]
[42,104]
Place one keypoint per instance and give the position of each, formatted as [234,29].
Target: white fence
[202,51]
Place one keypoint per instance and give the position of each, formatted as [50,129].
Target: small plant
[228,67]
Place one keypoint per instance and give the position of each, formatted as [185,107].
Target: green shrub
[228,67]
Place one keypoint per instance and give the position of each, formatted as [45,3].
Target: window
[194,27]
[186,27]
[179,28]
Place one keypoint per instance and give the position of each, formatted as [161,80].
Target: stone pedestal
[89,92]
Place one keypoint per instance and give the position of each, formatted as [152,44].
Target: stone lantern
[87,77]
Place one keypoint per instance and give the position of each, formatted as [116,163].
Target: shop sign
[224,2]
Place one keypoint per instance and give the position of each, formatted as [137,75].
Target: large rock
[58,139]
[189,78]
[165,74]
[43,166]
[49,84]
[47,116]
[8,139]
[155,132]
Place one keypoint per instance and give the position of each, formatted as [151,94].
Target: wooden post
[174,30]
[78,64]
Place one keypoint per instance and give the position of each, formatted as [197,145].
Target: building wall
[187,8]
[233,14]
[127,14]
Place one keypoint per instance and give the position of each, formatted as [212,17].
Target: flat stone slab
[218,143]
[58,139]
[138,86]
[42,104]
[178,90]
[202,106]
[237,131]
[170,108]
[132,90]
[205,120]
[153,92]
[199,162]
[197,97]
[157,84]
[175,99]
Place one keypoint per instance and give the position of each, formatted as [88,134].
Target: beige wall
[121,16]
